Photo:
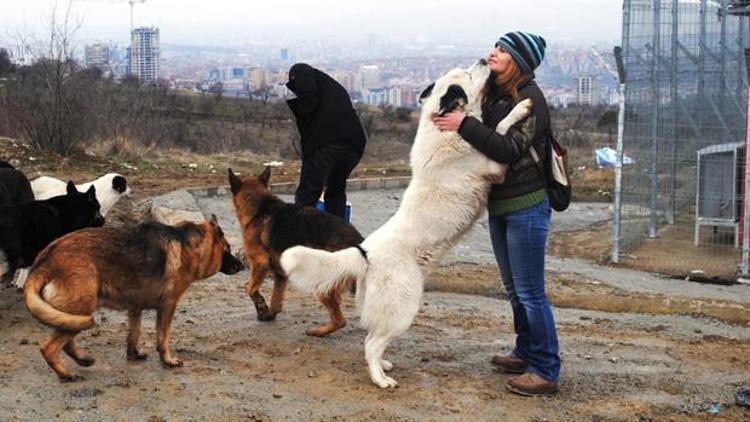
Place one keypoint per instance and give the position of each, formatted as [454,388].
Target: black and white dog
[109,189]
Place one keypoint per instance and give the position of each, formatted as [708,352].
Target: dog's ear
[214,220]
[426,93]
[71,188]
[453,98]
[265,176]
[91,194]
[234,182]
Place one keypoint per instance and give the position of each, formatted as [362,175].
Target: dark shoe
[531,385]
[510,363]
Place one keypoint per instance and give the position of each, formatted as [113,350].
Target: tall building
[370,76]
[144,54]
[97,55]
[585,90]
[284,54]
[260,77]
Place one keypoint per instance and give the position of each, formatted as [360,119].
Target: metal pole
[655,80]
[617,215]
[674,106]
[740,88]
[702,69]
[723,66]
[745,267]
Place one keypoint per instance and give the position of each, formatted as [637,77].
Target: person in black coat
[331,135]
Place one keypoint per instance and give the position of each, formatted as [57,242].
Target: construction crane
[131,2]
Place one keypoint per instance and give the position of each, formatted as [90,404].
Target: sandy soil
[634,347]
[617,366]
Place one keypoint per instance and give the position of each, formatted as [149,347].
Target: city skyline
[233,23]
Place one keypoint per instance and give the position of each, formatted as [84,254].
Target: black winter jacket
[323,110]
[513,148]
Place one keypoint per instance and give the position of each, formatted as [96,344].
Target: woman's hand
[450,121]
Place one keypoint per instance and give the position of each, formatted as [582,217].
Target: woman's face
[499,60]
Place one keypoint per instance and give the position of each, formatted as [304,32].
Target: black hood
[300,74]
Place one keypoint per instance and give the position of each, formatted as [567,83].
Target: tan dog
[269,227]
[148,266]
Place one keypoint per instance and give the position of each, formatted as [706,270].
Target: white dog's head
[117,183]
[457,89]
[109,189]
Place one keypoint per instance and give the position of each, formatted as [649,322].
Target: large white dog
[447,193]
[109,189]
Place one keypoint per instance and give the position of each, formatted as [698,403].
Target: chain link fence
[684,126]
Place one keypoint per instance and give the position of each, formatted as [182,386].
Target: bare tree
[48,100]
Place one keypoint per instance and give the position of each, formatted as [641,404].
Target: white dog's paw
[385,382]
[526,106]
[387,365]
[20,278]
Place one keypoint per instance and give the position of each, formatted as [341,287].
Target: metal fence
[684,125]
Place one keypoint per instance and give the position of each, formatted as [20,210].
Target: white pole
[745,267]
[617,212]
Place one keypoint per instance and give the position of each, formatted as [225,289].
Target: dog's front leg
[521,111]
[134,335]
[260,268]
[164,316]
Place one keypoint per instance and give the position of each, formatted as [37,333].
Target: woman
[519,210]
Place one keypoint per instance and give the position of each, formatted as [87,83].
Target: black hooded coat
[323,111]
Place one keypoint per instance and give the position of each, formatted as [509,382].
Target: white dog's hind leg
[374,347]
[386,364]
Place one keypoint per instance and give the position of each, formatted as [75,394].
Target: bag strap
[535,155]
[537,161]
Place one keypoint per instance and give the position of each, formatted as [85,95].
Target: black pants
[329,166]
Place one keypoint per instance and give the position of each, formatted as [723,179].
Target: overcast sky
[221,21]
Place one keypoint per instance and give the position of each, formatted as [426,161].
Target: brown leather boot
[530,384]
[510,363]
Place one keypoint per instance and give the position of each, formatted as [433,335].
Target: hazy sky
[221,21]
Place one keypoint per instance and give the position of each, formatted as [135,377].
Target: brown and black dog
[269,227]
[131,268]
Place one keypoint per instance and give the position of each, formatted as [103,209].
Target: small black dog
[27,229]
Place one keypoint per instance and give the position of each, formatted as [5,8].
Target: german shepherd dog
[269,227]
[131,268]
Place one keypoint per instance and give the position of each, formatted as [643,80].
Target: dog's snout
[230,264]
[482,62]
[98,220]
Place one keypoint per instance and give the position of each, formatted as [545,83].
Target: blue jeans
[519,240]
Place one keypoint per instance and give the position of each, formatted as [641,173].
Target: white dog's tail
[318,271]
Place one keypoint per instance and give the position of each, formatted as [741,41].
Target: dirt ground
[627,354]
[616,366]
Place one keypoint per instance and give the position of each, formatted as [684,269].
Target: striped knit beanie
[527,49]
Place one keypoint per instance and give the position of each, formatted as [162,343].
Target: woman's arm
[506,149]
